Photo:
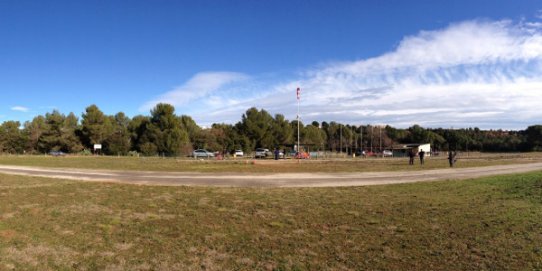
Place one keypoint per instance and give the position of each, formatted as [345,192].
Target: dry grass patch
[264,166]
[491,223]
[40,257]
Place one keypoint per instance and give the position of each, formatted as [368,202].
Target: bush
[149,149]
[85,152]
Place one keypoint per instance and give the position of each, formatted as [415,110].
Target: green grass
[491,223]
[260,166]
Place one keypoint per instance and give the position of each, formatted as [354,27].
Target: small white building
[402,150]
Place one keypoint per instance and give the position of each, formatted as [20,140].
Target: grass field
[262,166]
[491,223]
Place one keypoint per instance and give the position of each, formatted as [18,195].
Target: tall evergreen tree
[257,127]
[189,125]
[59,134]
[118,142]
[333,133]
[283,133]
[164,130]
[137,128]
[96,127]
[313,137]
[33,131]
[12,139]
[534,137]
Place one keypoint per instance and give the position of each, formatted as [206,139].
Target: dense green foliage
[165,133]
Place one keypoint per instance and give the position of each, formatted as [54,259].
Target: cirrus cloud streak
[20,109]
[474,73]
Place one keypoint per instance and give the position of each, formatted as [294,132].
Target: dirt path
[269,180]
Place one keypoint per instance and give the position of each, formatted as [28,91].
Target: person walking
[411,157]
[422,155]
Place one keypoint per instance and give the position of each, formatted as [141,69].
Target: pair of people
[451,157]
[411,156]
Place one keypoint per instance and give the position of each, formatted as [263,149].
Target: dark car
[360,153]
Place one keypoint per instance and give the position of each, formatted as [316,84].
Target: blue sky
[433,63]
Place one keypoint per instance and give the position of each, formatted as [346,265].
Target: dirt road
[269,180]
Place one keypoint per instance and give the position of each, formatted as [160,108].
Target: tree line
[165,133]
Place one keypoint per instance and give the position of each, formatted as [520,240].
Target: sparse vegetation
[490,223]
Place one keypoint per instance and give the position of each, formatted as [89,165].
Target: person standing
[411,157]
[451,157]
[422,155]
[276,154]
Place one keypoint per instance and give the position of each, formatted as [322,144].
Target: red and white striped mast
[298,99]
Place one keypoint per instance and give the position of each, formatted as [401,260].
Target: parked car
[202,153]
[302,155]
[279,152]
[238,153]
[360,153]
[387,153]
[262,153]
[57,153]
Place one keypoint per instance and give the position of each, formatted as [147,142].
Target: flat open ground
[271,179]
[62,223]
[267,173]
[493,223]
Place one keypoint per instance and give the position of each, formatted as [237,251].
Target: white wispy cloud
[199,86]
[473,73]
[20,109]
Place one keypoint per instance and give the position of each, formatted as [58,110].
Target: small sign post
[97,147]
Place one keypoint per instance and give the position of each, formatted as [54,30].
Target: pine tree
[119,141]
[96,127]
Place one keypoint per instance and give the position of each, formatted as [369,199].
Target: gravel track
[269,180]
